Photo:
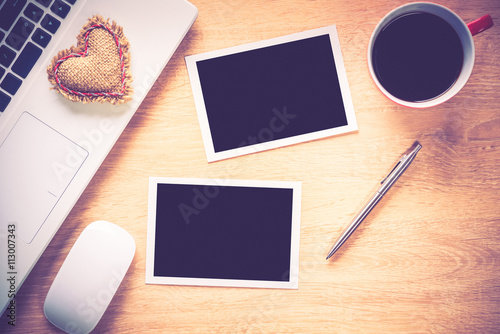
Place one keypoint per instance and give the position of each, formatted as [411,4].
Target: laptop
[51,147]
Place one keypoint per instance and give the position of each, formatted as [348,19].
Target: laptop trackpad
[37,164]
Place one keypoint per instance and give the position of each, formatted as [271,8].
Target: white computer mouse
[89,277]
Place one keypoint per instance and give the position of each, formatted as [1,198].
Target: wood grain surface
[426,260]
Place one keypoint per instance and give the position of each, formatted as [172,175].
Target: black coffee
[417,56]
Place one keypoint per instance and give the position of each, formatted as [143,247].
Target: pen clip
[393,169]
[403,162]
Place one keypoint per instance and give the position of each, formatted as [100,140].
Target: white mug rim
[465,37]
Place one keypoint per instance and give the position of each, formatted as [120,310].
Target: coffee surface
[417,56]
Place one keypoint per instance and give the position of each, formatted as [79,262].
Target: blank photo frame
[231,233]
[271,93]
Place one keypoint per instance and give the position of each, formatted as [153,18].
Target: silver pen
[387,182]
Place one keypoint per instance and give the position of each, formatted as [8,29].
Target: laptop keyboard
[26,28]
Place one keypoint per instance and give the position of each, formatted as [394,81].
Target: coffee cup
[421,54]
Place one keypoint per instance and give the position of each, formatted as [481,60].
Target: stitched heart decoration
[97,69]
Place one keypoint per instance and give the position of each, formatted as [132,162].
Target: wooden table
[427,259]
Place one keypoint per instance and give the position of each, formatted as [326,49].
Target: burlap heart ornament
[97,69]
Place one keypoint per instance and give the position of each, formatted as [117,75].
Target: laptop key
[9,12]
[11,84]
[44,3]
[2,35]
[50,23]
[33,12]
[4,101]
[6,56]
[60,8]
[41,37]
[26,60]
[2,72]
[20,33]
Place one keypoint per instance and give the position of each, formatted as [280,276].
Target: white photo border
[202,113]
[293,280]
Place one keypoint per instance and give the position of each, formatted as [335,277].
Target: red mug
[402,84]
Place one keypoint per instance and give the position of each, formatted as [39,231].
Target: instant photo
[271,93]
[235,233]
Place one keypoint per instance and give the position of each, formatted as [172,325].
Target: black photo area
[223,232]
[270,93]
